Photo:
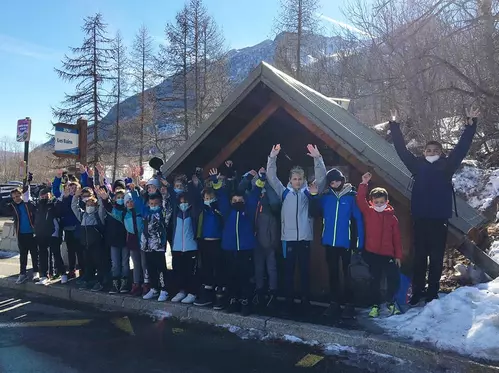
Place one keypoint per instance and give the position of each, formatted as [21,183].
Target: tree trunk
[95,99]
[298,46]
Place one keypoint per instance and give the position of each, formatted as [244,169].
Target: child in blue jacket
[238,242]
[338,207]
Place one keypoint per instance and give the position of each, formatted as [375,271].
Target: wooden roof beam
[242,136]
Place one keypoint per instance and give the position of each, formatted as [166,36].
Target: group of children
[224,233]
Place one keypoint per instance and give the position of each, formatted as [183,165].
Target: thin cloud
[343,25]
[11,45]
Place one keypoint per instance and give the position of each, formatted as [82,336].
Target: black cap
[44,191]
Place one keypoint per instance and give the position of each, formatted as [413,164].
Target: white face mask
[90,209]
[432,158]
[380,208]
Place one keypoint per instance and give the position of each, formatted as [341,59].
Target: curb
[424,357]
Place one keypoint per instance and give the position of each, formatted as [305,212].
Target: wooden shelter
[270,107]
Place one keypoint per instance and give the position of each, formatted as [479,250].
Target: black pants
[379,265]
[49,248]
[210,252]
[94,262]
[184,270]
[74,250]
[430,238]
[339,282]
[27,243]
[156,266]
[238,271]
[297,251]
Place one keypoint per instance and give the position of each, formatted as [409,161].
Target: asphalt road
[43,335]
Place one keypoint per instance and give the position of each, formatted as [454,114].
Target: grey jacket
[296,224]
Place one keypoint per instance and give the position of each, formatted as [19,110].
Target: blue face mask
[178,190]
[120,201]
[209,202]
[155,208]
[183,206]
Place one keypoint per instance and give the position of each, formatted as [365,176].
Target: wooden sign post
[71,140]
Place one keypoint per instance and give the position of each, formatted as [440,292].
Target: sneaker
[152,293]
[272,300]
[374,311]
[189,299]
[163,296]
[71,274]
[21,279]
[179,297]
[394,309]
[429,298]
[205,298]
[42,281]
[54,277]
[36,276]
[145,288]
[348,312]
[257,300]
[64,279]
[124,286]
[219,299]
[245,307]
[417,298]
[115,287]
[233,306]
[136,290]
[97,287]
[333,311]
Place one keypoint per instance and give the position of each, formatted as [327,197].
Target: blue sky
[35,35]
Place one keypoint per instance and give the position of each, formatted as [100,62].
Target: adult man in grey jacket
[296,224]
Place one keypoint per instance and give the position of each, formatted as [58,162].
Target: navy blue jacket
[432,191]
[239,227]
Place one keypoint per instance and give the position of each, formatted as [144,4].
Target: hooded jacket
[47,218]
[154,235]
[432,191]
[296,223]
[91,230]
[338,209]
[382,228]
[29,208]
[239,226]
[115,232]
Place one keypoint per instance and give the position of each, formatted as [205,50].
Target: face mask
[90,209]
[44,201]
[178,190]
[432,158]
[239,206]
[380,208]
[85,199]
[120,201]
[209,202]
[155,208]
[184,206]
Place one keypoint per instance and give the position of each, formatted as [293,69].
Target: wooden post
[82,125]
[242,136]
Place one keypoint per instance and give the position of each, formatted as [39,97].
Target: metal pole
[26,157]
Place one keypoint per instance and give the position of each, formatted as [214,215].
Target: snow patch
[336,349]
[479,186]
[465,321]
[160,314]
[494,251]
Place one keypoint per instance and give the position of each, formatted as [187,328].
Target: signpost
[23,135]
[71,140]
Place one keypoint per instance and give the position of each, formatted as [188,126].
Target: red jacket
[382,228]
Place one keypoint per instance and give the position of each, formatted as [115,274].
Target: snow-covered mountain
[240,61]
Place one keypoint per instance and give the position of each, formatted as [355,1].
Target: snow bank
[465,321]
[494,251]
[479,186]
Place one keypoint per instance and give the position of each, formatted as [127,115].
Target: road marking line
[46,323]
[14,307]
[177,330]
[309,361]
[8,301]
[124,324]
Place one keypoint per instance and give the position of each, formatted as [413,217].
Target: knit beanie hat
[335,175]
[154,182]
[128,197]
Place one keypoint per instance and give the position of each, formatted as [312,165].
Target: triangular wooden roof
[368,147]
